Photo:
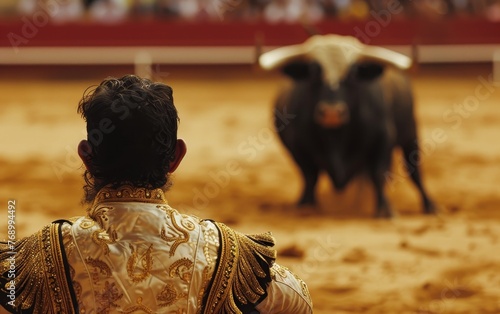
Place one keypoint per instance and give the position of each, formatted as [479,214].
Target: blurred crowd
[272,11]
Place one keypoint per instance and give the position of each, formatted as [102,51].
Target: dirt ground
[237,172]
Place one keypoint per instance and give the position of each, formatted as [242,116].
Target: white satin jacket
[133,253]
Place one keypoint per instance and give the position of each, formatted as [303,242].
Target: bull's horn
[386,56]
[276,58]
[334,52]
[350,49]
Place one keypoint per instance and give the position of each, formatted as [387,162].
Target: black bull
[349,129]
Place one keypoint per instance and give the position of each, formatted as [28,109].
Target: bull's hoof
[431,209]
[384,213]
[307,209]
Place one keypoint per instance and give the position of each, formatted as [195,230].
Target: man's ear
[180,152]
[85,153]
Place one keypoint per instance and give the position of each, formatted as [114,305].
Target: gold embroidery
[187,223]
[87,223]
[303,285]
[77,287]
[129,193]
[74,218]
[206,277]
[102,238]
[100,214]
[113,235]
[107,297]
[78,292]
[138,307]
[240,276]
[166,208]
[178,238]
[100,267]
[278,269]
[305,291]
[70,247]
[41,281]
[182,268]
[282,271]
[169,296]
[211,239]
[146,261]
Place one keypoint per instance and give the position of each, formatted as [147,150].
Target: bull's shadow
[345,120]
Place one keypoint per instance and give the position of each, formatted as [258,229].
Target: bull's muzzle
[332,115]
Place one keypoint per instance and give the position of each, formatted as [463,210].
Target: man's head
[131,134]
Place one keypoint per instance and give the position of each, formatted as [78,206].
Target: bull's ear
[368,71]
[297,70]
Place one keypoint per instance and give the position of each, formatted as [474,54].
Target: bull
[352,105]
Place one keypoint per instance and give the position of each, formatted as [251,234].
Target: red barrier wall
[29,33]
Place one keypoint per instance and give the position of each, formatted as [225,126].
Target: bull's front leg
[383,207]
[308,197]
[380,164]
[310,173]
[411,154]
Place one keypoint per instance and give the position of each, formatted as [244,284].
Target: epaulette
[34,268]
[242,274]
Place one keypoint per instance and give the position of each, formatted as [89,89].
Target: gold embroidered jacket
[134,253]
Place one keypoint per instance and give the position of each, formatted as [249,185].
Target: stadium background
[236,171]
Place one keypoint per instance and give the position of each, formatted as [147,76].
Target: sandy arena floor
[237,172]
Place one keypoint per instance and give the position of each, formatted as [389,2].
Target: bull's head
[330,58]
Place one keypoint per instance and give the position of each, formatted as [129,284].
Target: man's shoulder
[38,261]
[243,272]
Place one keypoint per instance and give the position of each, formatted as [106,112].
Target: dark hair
[132,129]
